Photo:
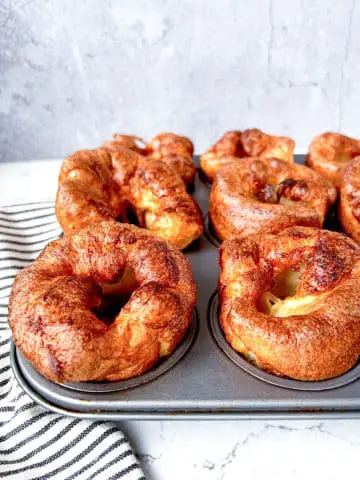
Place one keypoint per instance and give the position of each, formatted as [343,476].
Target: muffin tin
[204,378]
[238,359]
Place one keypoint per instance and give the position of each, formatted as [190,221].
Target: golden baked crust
[262,195]
[259,144]
[128,141]
[291,302]
[104,183]
[330,152]
[175,150]
[53,303]
[349,206]
[236,145]
[164,143]
[227,149]
[87,192]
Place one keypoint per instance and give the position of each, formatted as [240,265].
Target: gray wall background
[74,72]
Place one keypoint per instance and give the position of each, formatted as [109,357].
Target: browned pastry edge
[263,195]
[235,145]
[313,335]
[260,144]
[330,152]
[53,302]
[105,183]
[349,205]
[162,143]
[132,142]
[175,150]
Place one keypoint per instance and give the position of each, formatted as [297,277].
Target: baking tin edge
[317,386]
[177,415]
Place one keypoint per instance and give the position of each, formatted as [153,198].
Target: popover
[349,206]
[291,302]
[131,142]
[114,182]
[56,303]
[267,195]
[236,145]
[175,150]
[330,152]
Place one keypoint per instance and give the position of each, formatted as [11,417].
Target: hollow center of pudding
[287,192]
[282,299]
[131,216]
[115,296]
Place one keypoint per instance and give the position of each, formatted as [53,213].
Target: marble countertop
[214,450]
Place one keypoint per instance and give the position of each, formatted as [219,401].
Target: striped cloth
[34,443]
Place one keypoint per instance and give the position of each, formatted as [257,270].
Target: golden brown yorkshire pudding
[349,206]
[249,143]
[330,152]
[259,144]
[262,195]
[227,149]
[128,141]
[176,151]
[291,302]
[55,304]
[172,149]
[109,182]
[165,143]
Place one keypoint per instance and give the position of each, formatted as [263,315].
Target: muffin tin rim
[311,386]
[107,387]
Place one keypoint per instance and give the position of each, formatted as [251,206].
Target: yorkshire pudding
[175,150]
[109,182]
[54,304]
[330,152]
[291,302]
[131,142]
[250,143]
[349,206]
[262,195]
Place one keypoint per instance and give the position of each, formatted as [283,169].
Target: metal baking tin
[205,378]
[213,317]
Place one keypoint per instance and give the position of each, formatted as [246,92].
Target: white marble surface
[217,450]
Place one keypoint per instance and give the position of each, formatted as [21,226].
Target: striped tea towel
[34,443]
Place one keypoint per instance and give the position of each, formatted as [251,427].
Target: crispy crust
[330,152]
[162,143]
[259,144]
[51,307]
[245,196]
[100,184]
[236,145]
[175,150]
[137,144]
[315,341]
[349,206]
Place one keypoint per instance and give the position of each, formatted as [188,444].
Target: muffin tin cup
[239,360]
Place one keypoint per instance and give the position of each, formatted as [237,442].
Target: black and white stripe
[34,443]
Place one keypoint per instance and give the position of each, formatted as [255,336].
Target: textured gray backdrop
[73,72]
